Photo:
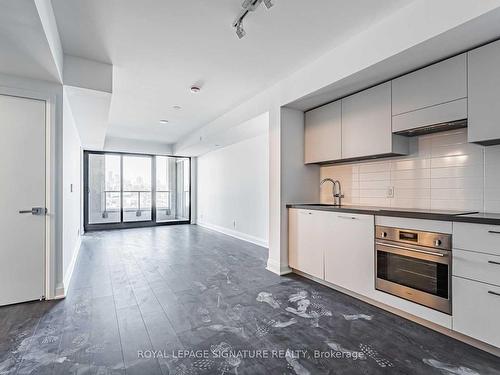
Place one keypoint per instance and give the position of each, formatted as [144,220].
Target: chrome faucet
[336,191]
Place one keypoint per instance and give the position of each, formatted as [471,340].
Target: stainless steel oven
[414,265]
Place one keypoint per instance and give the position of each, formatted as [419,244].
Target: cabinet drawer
[477,266]
[446,112]
[476,310]
[477,237]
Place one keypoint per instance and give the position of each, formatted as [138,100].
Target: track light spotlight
[268,3]
[240,31]
[248,7]
[247,4]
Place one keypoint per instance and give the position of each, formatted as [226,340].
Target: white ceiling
[24,50]
[467,36]
[160,48]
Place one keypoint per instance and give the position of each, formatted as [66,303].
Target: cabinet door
[350,255]
[476,310]
[306,241]
[436,84]
[484,94]
[366,123]
[323,136]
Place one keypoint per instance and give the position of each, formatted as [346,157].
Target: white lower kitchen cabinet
[307,239]
[349,257]
[476,310]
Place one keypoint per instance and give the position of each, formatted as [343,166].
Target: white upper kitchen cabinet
[307,239]
[350,255]
[367,125]
[323,134]
[432,95]
[484,94]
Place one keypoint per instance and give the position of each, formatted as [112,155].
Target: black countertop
[459,216]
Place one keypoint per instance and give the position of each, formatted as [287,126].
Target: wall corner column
[290,180]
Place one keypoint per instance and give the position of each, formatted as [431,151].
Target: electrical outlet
[390,192]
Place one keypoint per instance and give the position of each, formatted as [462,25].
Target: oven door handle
[412,249]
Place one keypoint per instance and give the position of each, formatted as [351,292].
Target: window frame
[129,224]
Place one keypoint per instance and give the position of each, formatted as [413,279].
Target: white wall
[137,146]
[442,172]
[233,190]
[71,191]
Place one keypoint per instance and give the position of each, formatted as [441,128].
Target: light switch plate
[390,192]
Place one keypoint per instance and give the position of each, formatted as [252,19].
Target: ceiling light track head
[268,3]
[248,6]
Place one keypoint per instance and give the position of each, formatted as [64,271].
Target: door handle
[35,211]
[347,217]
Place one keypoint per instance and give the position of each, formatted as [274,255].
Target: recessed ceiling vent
[434,128]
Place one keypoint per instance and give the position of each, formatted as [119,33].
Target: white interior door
[22,187]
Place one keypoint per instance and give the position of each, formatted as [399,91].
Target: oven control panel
[420,238]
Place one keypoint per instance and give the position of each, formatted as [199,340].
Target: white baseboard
[277,268]
[69,272]
[59,294]
[234,233]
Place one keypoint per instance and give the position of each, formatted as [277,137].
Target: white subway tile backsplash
[443,171]
[375,176]
[414,174]
[465,205]
[412,193]
[376,184]
[457,161]
[402,165]
[460,194]
[380,202]
[456,150]
[412,203]
[451,183]
[475,171]
[492,206]
[447,138]
[373,193]
[424,183]
[374,167]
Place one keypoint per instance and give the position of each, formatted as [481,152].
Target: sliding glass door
[132,190]
[172,180]
[104,189]
[137,188]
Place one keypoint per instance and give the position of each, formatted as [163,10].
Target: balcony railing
[137,207]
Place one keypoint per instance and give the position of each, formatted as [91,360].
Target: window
[129,190]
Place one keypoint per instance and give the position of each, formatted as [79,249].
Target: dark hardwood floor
[185,300]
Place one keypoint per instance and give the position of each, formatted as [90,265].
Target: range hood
[434,128]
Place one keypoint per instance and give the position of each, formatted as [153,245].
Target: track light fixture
[248,6]
[268,3]
[240,31]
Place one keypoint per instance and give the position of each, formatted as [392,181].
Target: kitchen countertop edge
[377,211]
